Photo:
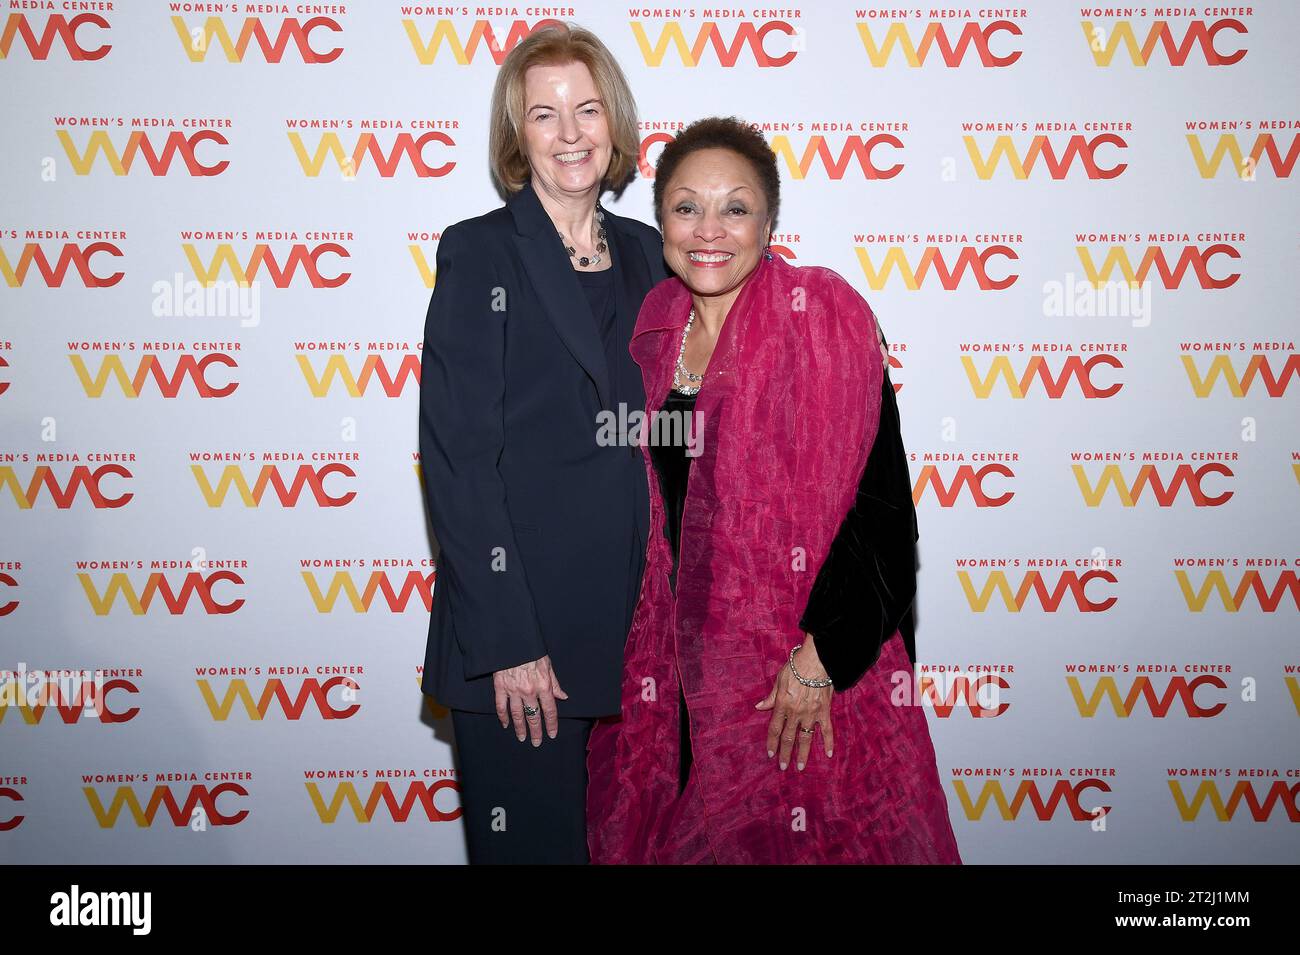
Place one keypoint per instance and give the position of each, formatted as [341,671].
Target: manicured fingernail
[536,743]
[771,753]
[784,765]
[801,765]
[520,738]
[552,734]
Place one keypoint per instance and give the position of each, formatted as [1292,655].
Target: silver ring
[530,711]
[805,732]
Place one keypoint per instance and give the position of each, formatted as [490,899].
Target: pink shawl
[790,409]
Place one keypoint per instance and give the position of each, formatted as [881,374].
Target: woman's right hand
[529,684]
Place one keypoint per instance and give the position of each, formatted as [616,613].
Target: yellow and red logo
[276,691]
[197,41]
[1064,794]
[481,34]
[158,160]
[397,802]
[299,257]
[287,493]
[1104,41]
[175,599]
[935,38]
[57,27]
[69,255]
[951,484]
[712,46]
[396,598]
[183,805]
[1158,704]
[83,481]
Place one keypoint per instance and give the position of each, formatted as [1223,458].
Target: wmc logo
[1178,690]
[86,699]
[965,481]
[480,34]
[1103,42]
[934,268]
[269,476]
[747,36]
[355,384]
[298,257]
[819,153]
[1058,157]
[275,691]
[82,482]
[1232,597]
[197,41]
[934,39]
[1152,262]
[1278,793]
[1037,368]
[382,793]
[149,369]
[405,150]
[56,27]
[174,600]
[377,583]
[196,802]
[69,255]
[1185,481]
[945,693]
[158,160]
[1035,590]
[1244,165]
[1238,384]
[1062,794]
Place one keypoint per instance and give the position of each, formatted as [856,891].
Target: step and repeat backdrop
[218,223]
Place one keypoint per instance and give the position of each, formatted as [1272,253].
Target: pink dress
[790,409]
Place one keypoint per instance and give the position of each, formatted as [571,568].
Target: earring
[767,253]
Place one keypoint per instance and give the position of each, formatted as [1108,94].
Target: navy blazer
[540,527]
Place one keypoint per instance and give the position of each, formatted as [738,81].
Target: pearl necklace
[681,372]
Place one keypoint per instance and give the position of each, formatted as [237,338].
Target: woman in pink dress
[752,732]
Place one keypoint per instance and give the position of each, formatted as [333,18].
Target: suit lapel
[634,277]
[563,299]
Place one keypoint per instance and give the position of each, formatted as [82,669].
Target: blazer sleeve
[865,588]
[462,385]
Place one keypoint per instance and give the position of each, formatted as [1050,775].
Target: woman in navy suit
[541,521]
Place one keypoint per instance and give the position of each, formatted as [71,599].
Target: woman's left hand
[798,709]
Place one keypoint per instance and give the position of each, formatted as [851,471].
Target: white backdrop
[211,504]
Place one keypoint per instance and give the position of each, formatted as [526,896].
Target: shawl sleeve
[866,586]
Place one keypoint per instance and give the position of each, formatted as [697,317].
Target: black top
[599,287]
[865,588]
[668,450]
[601,290]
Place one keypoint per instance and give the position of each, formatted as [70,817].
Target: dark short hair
[720,132]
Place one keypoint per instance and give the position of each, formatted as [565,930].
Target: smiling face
[715,222]
[565,131]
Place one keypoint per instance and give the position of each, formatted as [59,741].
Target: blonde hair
[556,45]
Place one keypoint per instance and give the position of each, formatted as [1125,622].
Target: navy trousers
[520,803]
